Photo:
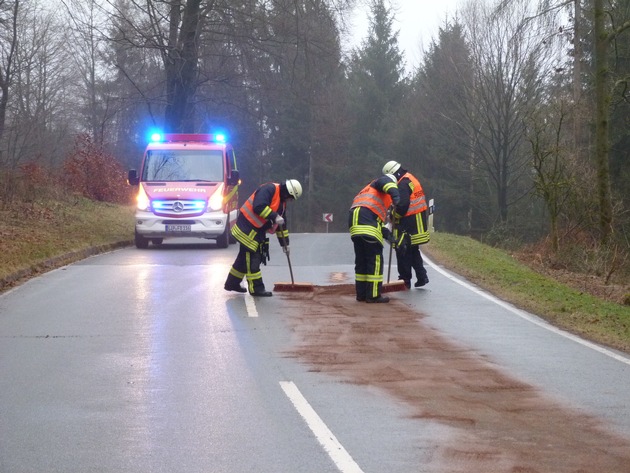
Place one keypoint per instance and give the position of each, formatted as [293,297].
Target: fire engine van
[187,187]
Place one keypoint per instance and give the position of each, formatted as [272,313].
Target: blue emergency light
[160,205]
[159,137]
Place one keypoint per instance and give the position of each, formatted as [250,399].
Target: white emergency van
[187,187]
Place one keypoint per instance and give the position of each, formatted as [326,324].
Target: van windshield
[183,165]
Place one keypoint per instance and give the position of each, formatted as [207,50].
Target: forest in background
[516,121]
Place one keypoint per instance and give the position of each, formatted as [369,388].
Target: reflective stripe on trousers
[247,265]
[368,267]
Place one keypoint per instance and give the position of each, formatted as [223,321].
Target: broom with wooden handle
[293,286]
[397,285]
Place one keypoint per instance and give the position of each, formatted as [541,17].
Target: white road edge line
[250,306]
[528,316]
[342,459]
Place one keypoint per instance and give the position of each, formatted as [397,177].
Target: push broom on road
[308,287]
[292,286]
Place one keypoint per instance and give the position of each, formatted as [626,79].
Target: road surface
[139,361]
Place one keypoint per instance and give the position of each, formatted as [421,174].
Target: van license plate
[178,228]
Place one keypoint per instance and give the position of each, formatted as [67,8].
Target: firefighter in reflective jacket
[264,210]
[410,226]
[368,215]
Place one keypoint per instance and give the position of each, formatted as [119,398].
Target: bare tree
[510,62]
[86,38]
[171,28]
[8,44]
[36,110]
[605,33]
[41,109]
[549,160]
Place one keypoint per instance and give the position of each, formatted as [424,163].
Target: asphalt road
[139,361]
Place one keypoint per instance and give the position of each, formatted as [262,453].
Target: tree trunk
[6,74]
[181,68]
[578,119]
[602,97]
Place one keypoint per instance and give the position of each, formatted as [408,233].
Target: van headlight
[216,201]
[142,200]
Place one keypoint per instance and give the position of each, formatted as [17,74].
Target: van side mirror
[132,178]
[234,178]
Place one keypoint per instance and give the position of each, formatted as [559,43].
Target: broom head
[394,286]
[293,287]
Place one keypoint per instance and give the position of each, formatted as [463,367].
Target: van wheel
[157,241]
[140,241]
[223,239]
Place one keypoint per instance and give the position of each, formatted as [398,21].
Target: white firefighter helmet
[391,167]
[294,188]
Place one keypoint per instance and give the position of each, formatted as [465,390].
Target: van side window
[231,159]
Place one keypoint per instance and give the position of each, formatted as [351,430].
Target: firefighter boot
[257,288]
[233,284]
[261,293]
[360,288]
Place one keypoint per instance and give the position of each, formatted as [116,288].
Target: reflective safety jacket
[414,208]
[258,219]
[417,199]
[368,211]
[376,197]
[257,215]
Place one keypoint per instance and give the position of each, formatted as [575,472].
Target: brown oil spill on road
[503,425]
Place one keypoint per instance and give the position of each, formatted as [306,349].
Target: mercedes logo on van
[178,206]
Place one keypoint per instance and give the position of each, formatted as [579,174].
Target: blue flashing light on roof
[158,137]
[155,135]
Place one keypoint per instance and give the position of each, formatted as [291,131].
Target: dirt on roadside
[504,425]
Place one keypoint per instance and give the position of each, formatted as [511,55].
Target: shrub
[503,236]
[93,173]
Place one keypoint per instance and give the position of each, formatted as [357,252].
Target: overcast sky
[417,21]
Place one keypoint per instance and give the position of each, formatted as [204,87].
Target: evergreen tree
[620,104]
[377,86]
[297,73]
[438,139]
[610,37]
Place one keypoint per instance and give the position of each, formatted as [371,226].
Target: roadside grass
[504,276]
[37,237]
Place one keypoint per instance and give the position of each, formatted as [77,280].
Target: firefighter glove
[264,251]
[279,220]
[404,242]
[388,235]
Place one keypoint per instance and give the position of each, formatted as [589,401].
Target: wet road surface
[139,361]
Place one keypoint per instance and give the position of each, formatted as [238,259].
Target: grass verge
[497,272]
[39,236]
